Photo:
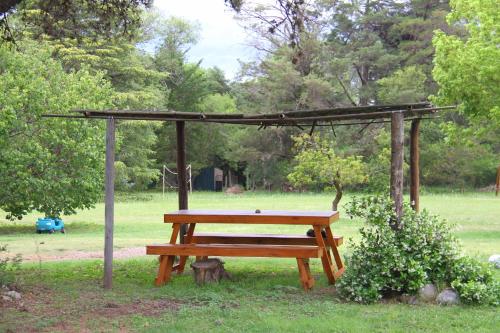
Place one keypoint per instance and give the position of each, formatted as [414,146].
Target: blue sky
[222,40]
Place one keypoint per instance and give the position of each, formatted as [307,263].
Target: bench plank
[268,239]
[235,250]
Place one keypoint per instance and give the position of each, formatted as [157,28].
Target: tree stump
[209,270]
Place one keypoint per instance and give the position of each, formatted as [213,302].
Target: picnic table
[322,245]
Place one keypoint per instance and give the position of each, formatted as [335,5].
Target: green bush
[474,282]
[401,257]
[394,258]
[8,267]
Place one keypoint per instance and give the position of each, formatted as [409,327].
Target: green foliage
[137,166]
[132,73]
[317,165]
[8,266]
[467,69]
[457,164]
[218,103]
[390,259]
[402,259]
[379,163]
[76,18]
[474,282]
[403,86]
[378,169]
[363,50]
[191,89]
[50,165]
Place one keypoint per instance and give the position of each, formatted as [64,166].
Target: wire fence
[167,171]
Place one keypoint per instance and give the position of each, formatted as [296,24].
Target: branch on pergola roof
[289,118]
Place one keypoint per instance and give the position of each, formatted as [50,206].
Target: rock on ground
[448,297]
[428,293]
[13,294]
[495,260]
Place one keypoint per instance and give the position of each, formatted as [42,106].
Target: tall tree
[131,72]
[50,165]
[412,36]
[191,89]
[63,18]
[358,42]
[468,69]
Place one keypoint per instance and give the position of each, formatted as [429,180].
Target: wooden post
[498,182]
[181,172]
[109,203]
[415,165]
[397,160]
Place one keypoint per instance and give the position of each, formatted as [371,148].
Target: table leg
[325,258]
[335,251]
[309,275]
[160,278]
[187,240]
[305,274]
[167,262]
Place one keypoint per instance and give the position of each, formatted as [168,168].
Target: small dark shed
[209,179]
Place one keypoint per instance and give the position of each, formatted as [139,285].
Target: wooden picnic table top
[252,217]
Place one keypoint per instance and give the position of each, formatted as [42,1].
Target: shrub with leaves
[396,258]
[474,282]
[8,266]
[401,257]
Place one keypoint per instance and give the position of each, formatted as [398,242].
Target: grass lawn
[263,296]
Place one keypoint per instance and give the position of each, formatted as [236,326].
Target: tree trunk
[338,196]
[397,160]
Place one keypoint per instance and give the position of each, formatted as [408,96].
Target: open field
[139,222]
[264,295]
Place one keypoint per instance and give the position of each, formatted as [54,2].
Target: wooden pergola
[302,119]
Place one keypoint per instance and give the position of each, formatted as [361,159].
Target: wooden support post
[109,203]
[181,172]
[498,182]
[415,165]
[397,160]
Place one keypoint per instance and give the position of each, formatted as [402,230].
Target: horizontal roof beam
[291,118]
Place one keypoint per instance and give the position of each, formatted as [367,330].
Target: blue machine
[50,225]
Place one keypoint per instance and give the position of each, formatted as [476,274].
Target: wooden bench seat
[236,250]
[167,252]
[267,239]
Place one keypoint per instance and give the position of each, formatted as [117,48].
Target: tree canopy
[467,69]
[57,168]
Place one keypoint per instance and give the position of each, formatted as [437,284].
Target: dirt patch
[79,314]
[142,307]
[72,255]
[329,292]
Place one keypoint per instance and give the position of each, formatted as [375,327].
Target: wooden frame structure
[366,115]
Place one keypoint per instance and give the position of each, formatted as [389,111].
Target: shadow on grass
[74,227]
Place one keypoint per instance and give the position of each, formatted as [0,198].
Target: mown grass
[475,215]
[264,295]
